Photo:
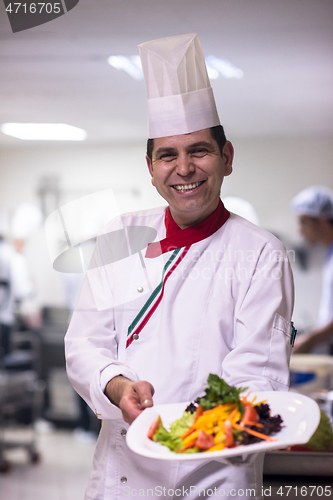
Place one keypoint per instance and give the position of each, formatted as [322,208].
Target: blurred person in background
[314,209]
[25,220]
[15,284]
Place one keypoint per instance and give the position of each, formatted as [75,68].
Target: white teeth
[187,187]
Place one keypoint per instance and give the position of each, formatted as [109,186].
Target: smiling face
[187,171]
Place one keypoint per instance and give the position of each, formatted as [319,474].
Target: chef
[15,284]
[212,293]
[314,209]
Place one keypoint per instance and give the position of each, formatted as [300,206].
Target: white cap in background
[180,97]
[314,201]
[241,207]
[25,221]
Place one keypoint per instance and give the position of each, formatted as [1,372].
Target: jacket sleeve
[262,325]
[91,354]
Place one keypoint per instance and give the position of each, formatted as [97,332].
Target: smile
[187,187]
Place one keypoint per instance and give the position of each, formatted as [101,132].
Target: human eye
[167,156]
[199,152]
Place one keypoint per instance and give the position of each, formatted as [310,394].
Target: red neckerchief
[178,238]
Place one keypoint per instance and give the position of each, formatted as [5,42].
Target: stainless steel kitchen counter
[298,463]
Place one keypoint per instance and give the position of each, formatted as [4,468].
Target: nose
[184,165]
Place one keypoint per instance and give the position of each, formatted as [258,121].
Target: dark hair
[217,134]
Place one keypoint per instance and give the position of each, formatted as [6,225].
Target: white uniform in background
[13,270]
[325,314]
[15,285]
[225,308]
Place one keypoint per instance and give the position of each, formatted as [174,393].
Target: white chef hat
[315,201]
[25,220]
[241,207]
[180,97]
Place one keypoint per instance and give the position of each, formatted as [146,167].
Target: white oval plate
[300,416]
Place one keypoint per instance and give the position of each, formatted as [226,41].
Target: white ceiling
[58,72]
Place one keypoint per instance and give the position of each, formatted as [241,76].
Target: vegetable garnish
[220,419]
[219,392]
[321,439]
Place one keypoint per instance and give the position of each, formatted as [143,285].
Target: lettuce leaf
[219,392]
[171,438]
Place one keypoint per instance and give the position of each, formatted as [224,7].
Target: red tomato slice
[250,415]
[154,426]
[229,437]
[204,441]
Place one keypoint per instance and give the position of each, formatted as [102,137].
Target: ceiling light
[44,131]
[222,67]
[130,64]
[216,67]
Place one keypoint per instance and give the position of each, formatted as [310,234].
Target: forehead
[184,140]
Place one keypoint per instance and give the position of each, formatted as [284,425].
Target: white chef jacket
[325,314]
[225,309]
[13,270]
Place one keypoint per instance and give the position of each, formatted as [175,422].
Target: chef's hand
[131,397]
[307,341]
[304,343]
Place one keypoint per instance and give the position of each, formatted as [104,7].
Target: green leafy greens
[172,439]
[219,392]
[322,439]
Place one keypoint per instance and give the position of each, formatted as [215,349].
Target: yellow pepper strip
[220,436]
[233,414]
[188,432]
[216,447]
[189,439]
[216,416]
[226,408]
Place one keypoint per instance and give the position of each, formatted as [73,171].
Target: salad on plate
[223,418]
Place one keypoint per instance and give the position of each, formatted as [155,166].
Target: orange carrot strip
[244,398]
[233,413]
[198,413]
[248,422]
[188,432]
[254,433]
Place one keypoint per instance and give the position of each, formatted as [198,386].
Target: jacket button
[140,289]
[135,336]
[123,432]
[123,479]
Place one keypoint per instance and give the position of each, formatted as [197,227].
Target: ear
[228,157]
[150,168]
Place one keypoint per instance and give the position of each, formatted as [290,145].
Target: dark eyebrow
[200,144]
